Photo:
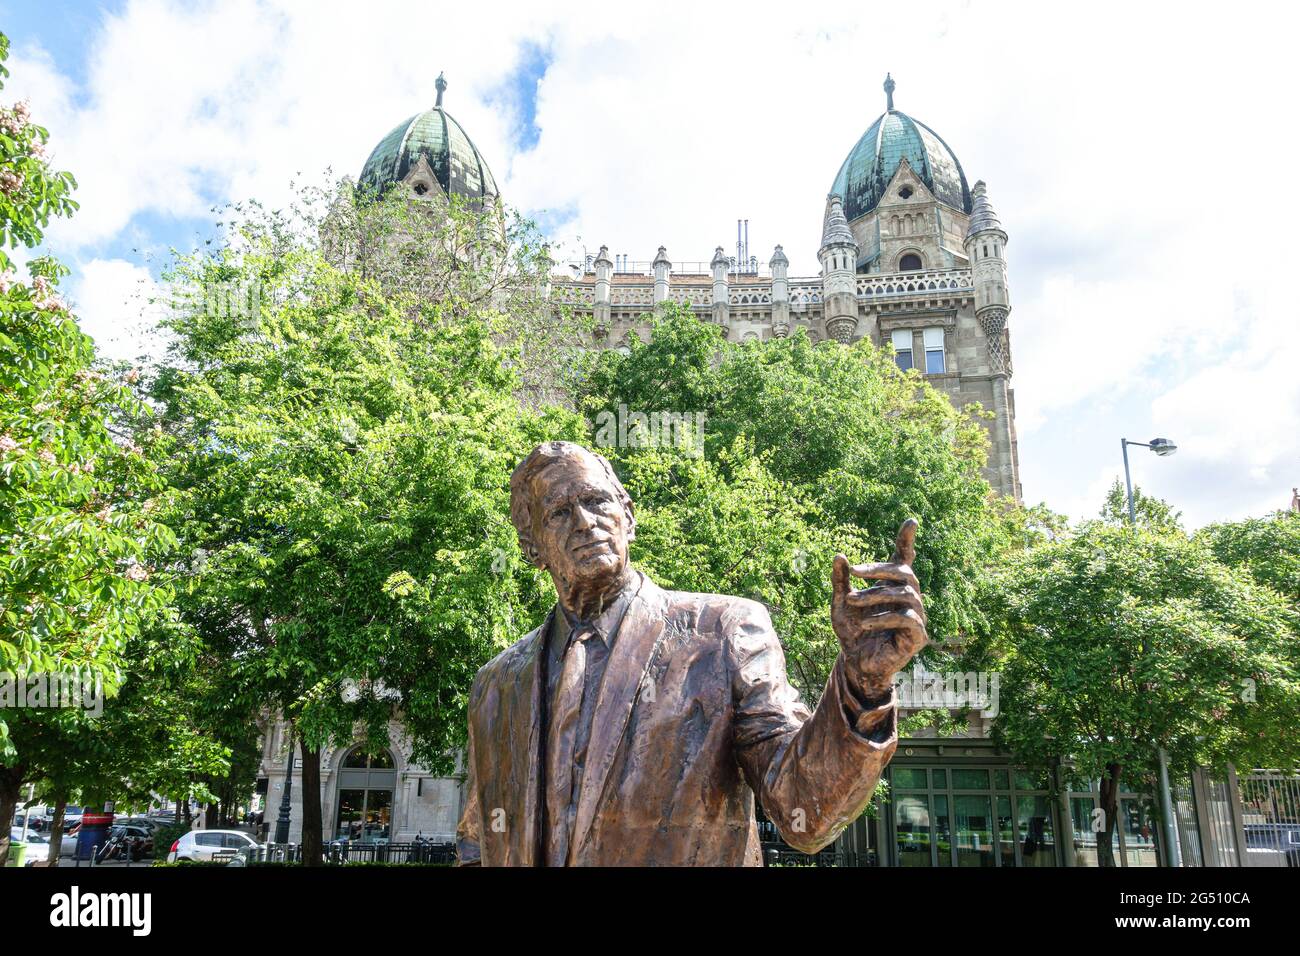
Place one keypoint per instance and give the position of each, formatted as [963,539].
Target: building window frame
[904,358]
[935,348]
[1010,789]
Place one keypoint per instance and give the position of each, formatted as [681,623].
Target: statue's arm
[471,820]
[815,773]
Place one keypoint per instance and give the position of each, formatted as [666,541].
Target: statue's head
[572,514]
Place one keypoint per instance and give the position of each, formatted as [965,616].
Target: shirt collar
[607,621]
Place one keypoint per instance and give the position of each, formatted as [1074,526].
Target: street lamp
[1164,448]
[1161,446]
[282,823]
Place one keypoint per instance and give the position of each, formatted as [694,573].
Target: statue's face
[580,528]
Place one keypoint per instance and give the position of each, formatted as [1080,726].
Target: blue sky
[1138,159]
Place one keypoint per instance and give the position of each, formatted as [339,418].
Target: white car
[38,845]
[205,845]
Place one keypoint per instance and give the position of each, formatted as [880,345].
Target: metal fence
[782,855]
[340,853]
[1270,815]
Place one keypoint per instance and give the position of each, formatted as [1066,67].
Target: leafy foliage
[1268,549]
[79,536]
[340,445]
[1113,641]
[808,450]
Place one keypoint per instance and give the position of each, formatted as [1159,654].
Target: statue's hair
[539,459]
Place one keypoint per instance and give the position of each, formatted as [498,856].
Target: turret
[780,266]
[662,267]
[986,244]
[839,257]
[601,308]
[721,300]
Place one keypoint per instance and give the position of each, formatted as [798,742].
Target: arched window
[358,759]
[910,263]
[365,804]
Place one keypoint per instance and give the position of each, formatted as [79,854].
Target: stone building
[912,256]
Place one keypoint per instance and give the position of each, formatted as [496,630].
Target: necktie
[559,746]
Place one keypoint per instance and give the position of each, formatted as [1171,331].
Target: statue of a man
[636,724]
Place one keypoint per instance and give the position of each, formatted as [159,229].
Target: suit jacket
[694,716]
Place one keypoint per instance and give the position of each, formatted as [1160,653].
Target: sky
[1139,155]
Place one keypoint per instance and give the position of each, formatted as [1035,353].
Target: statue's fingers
[886,571]
[840,586]
[905,620]
[905,545]
[882,596]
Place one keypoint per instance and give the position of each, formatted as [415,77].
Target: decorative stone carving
[842,328]
[994,324]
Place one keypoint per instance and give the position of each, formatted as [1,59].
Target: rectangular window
[902,339]
[934,360]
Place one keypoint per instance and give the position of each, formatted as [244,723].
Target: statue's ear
[631,520]
[534,556]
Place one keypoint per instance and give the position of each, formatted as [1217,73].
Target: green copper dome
[450,153]
[893,137]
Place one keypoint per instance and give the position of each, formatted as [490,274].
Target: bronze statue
[634,727]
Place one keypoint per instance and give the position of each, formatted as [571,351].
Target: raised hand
[880,628]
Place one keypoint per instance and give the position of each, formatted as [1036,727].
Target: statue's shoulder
[512,658]
[714,612]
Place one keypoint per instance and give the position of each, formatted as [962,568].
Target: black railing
[420,851]
[782,855]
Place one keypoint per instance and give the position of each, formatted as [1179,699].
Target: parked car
[148,823]
[206,845]
[38,845]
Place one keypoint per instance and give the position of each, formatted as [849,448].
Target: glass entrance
[365,806]
[971,817]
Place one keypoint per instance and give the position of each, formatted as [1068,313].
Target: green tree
[1268,549]
[1153,513]
[1113,641]
[807,450]
[77,538]
[340,444]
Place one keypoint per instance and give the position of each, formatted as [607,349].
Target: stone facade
[421,804]
[911,264]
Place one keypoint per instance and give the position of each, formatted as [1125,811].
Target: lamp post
[282,822]
[1164,448]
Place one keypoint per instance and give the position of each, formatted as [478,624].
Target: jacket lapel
[516,781]
[638,635]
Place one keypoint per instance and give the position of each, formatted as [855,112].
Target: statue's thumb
[840,576]
[905,546]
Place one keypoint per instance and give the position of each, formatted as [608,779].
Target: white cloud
[1139,157]
[116,304]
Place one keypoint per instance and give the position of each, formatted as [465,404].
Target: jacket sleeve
[814,773]
[471,822]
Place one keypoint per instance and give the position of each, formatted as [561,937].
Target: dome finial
[440,85]
[889,92]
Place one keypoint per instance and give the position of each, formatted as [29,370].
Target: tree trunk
[11,786]
[189,817]
[210,821]
[1110,806]
[312,837]
[56,829]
